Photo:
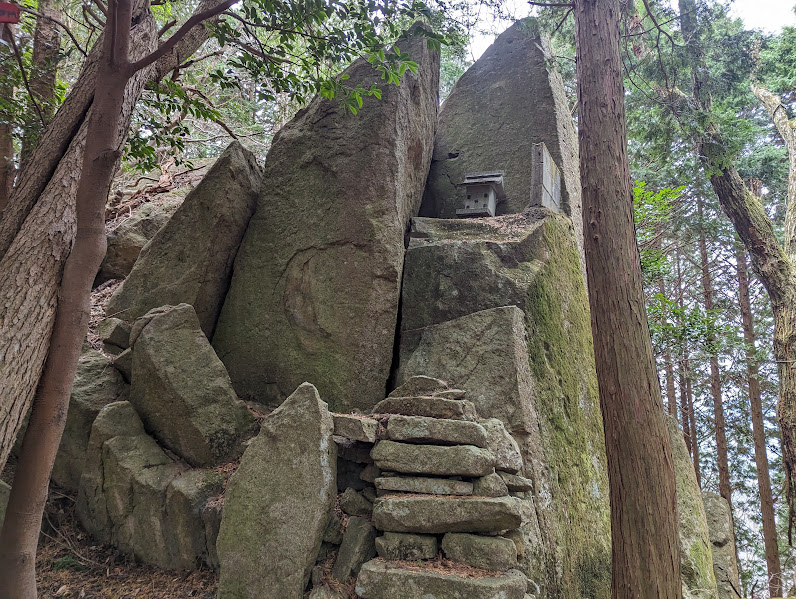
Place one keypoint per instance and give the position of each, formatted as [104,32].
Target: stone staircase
[444,511]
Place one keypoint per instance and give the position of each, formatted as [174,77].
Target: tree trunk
[689,394]
[644,523]
[772,263]
[7,167]
[65,125]
[683,367]
[775,270]
[46,45]
[671,398]
[104,138]
[39,226]
[715,380]
[759,433]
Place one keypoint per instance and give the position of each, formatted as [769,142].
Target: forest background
[710,318]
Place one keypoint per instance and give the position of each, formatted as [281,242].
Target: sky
[768,15]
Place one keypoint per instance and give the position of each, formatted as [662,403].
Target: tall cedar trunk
[7,166]
[46,45]
[715,380]
[775,271]
[671,398]
[22,523]
[758,432]
[644,533]
[685,413]
[771,262]
[692,431]
[37,229]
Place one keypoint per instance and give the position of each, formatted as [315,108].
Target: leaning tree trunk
[772,263]
[775,270]
[46,46]
[38,226]
[759,432]
[105,133]
[715,378]
[8,169]
[644,522]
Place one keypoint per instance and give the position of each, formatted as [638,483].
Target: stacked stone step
[445,482]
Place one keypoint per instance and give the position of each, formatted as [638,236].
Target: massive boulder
[127,240]
[97,383]
[722,540]
[696,556]
[315,291]
[190,259]
[497,306]
[277,503]
[138,499]
[508,100]
[182,391]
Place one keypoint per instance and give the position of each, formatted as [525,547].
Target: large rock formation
[696,557]
[316,285]
[181,390]
[97,383]
[127,240]
[509,100]
[135,497]
[190,259]
[497,307]
[722,540]
[277,504]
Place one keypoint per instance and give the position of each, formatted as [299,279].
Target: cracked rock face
[314,295]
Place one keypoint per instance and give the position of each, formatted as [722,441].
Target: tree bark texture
[644,528]
[773,565]
[715,376]
[40,225]
[46,46]
[106,131]
[31,269]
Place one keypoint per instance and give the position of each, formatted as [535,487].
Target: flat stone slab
[515,482]
[433,407]
[356,428]
[419,385]
[422,429]
[487,553]
[431,515]
[405,546]
[379,579]
[419,484]
[454,460]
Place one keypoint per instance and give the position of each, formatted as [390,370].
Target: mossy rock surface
[696,556]
[498,307]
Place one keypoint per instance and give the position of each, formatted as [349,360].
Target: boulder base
[277,504]
[454,460]
[382,580]
[431,515]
